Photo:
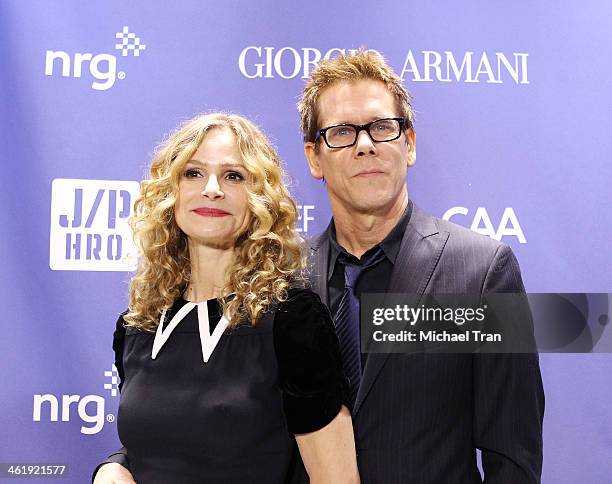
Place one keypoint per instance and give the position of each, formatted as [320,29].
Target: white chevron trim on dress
[207,340]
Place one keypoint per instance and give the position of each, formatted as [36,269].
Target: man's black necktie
[347,318]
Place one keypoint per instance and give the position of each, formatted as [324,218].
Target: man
[417,418]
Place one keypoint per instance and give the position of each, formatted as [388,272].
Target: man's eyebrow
[338,122]
[371,119]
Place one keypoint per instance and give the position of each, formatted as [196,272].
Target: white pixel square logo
[129,42]
[113,386]
[89,229]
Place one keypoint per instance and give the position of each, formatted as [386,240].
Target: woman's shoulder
[123,329]
[303,306]
[301,298]
[119,334]
[121,324]
[302,319]
[298,293]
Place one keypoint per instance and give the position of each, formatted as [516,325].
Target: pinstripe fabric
[419,418]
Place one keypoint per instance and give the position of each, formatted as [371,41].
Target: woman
[220,354]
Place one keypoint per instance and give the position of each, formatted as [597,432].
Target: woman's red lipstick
[211,212]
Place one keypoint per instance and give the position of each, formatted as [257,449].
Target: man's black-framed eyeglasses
[344,135]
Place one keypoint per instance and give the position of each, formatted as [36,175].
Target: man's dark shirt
[374,279]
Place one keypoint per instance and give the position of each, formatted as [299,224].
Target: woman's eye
[192,173]
[234,176]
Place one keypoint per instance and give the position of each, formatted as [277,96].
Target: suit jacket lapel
[319,253]
[419,253]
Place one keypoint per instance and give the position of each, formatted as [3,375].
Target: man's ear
[312,157]
[411,140]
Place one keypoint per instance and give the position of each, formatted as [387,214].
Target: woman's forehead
[218,148]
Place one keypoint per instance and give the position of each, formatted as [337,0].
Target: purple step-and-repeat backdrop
[513,122]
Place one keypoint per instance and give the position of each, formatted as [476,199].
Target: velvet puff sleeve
[310,368]
[120,456]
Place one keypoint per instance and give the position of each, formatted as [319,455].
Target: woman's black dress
[231,419]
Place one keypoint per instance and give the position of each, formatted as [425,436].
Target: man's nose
[364,144]
[212,189]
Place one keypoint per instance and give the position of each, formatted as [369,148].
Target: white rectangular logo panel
[89,229]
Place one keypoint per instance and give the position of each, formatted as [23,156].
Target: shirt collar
[390,245]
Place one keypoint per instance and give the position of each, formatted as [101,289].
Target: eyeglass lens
[381,130]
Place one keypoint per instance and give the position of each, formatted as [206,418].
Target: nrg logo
[102,67]
[90,409]
[508,226]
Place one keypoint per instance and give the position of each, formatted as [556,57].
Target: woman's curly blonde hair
[270,255]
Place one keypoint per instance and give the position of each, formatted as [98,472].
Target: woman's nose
[212,189]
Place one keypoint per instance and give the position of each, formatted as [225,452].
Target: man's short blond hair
[363,64]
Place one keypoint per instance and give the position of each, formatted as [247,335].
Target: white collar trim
[208,341]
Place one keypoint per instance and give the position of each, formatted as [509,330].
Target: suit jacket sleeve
[508,396]
[120,456]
